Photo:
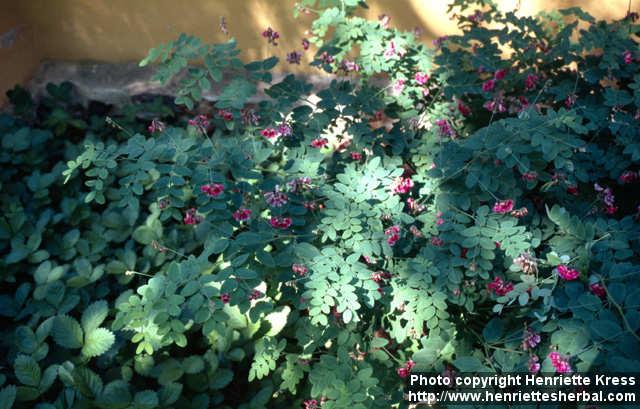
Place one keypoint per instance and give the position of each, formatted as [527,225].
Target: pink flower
[305,44]
[278,222]
[319,143]
[404,371]
[488,85]
[463,109]
[445,128]
[572,190]
[530,176]
[242,215]
[294,57]
[225,298]
[439,219]
[191,217]
[326,58]
[414,206]
[212,189]
[559,362]
[530,339]
[530,82]
[534,365]
[380,276]
[421,77]
[269,133]
[504,206]
[156,126]
[276,198]
[310,404]
[567,273]
[498,75]
[628,176]
[226,115]
[401,185]
[349,66]
[499,287]
[271,35]
[598,290]
[627,56]
[199,121]
[356,156]
[284,129]
[437,241]
[255,294]
[299,184]
[299,269]
[393,235]
[398,86]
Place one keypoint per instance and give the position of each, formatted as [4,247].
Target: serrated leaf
[97,342]
[27,370]
[67,332]
[94,315]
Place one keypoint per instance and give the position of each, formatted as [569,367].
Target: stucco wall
[123,30]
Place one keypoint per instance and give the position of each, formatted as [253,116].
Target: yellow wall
[123,30]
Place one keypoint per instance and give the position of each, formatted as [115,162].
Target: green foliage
[431,227]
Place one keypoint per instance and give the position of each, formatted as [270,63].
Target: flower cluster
[559,362]
[526,263]
[212,189]
[294,57]
[504,206]
[534,364]
[393,235]
[200,121]
[606,194]
[242,215]
[319,143]
[156,126]
[278,222]
[191,217]
[299,269]
[271,35]
[225,114]
[300,184]
[500,287]
[276,198]
[567,273]
[405,370]
[401,185]
[628,176]
[530,339]
[445,128]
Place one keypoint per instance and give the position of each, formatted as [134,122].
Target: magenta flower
[421,77]
[242,215]
[559,362]
[191,217]
[500,287]
[530,82]
[212,189]
[488,85]
[278,222]
[349,66]
[530,176]
[463,109]
[269,133]
[200,121]
[299,269]
[567,273]
[356,156]
[276,198]
[305,44]
[255,294]
[445,128]
[598,290]
[326,58]
[504,206]
[437,241]
[319,143]
[628,176]
[156,126]
[500,74]
[299,184]
[530,339]
[226,115]
[401,185]
[398,86]
[534,365]
[393,235]
[627,56]
[271,35]
[310,404]
[294,57]
[225,298]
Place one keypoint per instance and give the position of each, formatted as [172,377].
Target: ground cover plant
[467,206]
